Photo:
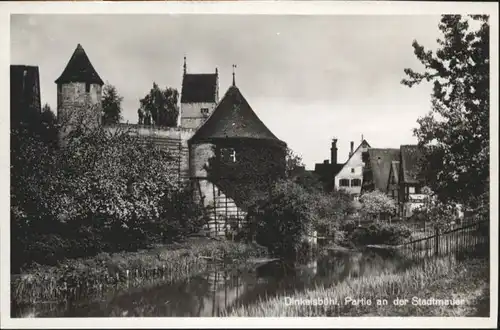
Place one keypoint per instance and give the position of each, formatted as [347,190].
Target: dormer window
[204,112]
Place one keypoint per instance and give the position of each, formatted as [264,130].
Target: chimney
[326,161]
[352,149]
[333,152]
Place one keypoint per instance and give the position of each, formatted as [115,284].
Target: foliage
[375,203]
[180,215]
[102,191]
[111,105]
[444,277]
[348,226]
[455,134]
[174,262]
[380,233]
[283,218]
[294,162]
[330,209]
[436,213]
[159,107]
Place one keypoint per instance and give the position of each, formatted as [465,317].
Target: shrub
[380,233]
[282,220]
[375,203]
[102,191]
[348,226]
[329,210]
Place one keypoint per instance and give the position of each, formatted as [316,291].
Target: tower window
[228,155]
[204,112]
[87,88]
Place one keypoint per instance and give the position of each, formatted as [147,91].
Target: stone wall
[191,116]
[173,139]
[76,107]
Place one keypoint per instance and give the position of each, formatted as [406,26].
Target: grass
[94,276]
[444,278]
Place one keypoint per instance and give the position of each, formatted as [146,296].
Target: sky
[309,78]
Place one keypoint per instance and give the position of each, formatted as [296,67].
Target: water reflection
[220,289]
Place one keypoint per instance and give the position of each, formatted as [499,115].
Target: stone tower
[79,90]
[199,96]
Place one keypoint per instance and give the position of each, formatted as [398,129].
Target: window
[228,155]
[352,170]
[355,183]
[87,88]
[411,190]
[344,182]
[204,112]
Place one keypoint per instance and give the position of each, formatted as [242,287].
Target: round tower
[79,91]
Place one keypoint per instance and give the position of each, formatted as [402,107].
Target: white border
[249,7]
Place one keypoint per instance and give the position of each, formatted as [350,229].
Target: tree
[111,105]
[293,162]
[455,133]
[159,107]
[375,203]
[295,170]
[48,125]
[283,218]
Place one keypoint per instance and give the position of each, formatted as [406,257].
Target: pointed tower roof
[199,87]
[79,69]
[234,118]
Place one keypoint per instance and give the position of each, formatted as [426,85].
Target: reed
[433,274]
[75,278]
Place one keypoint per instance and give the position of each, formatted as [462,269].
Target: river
[222,288]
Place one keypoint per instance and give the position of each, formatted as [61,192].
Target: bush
[102,192]
[282,220]
[375,203]
[348,226]
[380,233]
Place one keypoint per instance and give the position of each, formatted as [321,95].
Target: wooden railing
[472,238]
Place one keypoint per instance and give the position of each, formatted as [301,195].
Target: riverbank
[74,278]
[463,282]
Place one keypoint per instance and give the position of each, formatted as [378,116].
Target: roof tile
[234,118]
[201,87]
[79,69]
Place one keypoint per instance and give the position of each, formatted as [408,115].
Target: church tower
[79,90]
[199,96]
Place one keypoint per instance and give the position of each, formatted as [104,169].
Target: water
[222,288]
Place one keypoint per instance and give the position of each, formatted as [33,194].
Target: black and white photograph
[179,161]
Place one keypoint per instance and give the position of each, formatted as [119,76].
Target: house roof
[380,164]
[79,69]
[234,118]
[410,158]
[199,87]
[363,143]
[327,169]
